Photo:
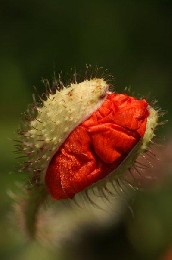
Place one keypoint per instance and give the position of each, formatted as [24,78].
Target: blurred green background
[133,40]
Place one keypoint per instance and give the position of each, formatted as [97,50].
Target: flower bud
[84,134]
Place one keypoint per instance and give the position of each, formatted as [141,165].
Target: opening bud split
[84,134]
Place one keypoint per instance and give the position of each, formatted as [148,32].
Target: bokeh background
[133,40]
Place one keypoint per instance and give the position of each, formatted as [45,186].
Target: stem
[36,198]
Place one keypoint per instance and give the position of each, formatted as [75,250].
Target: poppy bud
[83,134]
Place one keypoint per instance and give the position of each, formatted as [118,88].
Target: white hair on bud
[151,124]
[59,115]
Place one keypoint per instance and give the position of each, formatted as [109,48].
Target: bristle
[50,121]
[47,123]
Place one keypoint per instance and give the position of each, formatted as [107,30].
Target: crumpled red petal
[97,146]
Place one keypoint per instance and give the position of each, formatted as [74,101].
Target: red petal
[97,146]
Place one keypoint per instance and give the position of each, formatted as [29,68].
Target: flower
[78,143]
[85,133]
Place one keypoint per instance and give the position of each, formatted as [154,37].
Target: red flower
[97,146]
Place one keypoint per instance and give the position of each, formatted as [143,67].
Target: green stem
[36,198]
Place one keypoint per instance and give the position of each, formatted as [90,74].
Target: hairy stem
[35,199]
